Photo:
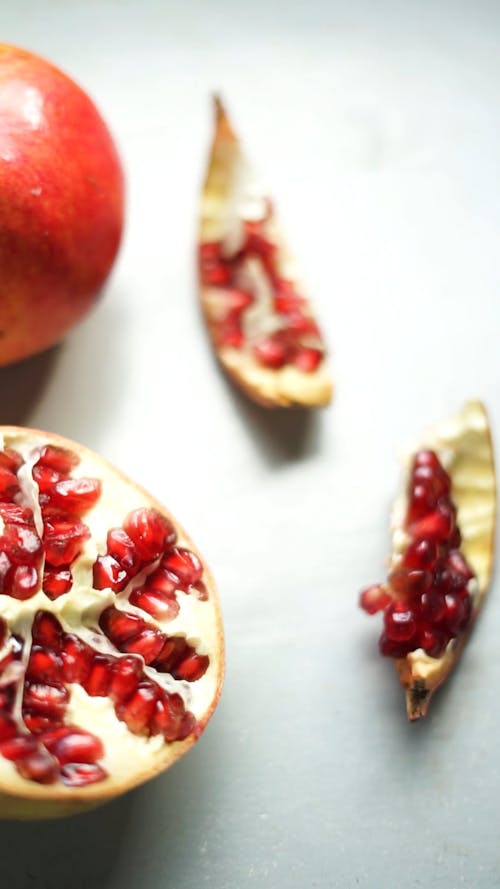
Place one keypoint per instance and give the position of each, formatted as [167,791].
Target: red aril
[86,666]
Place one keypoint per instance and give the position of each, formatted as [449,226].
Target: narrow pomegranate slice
[260,320]
[436,589]
[79,682]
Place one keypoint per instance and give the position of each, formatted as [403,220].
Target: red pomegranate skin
[61,204]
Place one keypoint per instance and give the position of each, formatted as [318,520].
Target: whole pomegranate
[111,648]
[61,203]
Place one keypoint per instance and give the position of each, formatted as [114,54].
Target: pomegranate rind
[24,799]
[281,387]
[464,446]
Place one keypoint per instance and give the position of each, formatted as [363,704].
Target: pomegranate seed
[184,564]
[454,613]
[77,659]
[432,607]
[98,681]
[122,548]
[393,648]
[39,766]
[78,747]
[43,665]
[426,458]
[148,644]
[47,630]
[8,728]
[64,538]
[10,459]
[271,352]
[187,726]
[18,747]
[421,501]
[24,583]
[57,582]
[55,733]
[421,554]
[210,250]
[230,333]
[237,300]
[170,718]
[174,650]
[200,590]
[150,531]
[160,605]
[127,672]
[191,668]
[7,697]
[37,724]
[163,580]
[409,583]
[374,598]
[109,574]
[138,710]
[307,359]
[216,274]
[439,525]
[46,478]
[49,700]
[23,545]
[432,640]
[16,515]
[399,623]
[438,481]
[59,459]
[9,485]
[457,564]
[119,626]
[287,301]
[76,495]
[82,774]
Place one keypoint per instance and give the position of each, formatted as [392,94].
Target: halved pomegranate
[111,648]
[259,318]
[442,555]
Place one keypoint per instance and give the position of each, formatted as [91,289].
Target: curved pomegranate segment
[259,319]
[436,588]
[89,657]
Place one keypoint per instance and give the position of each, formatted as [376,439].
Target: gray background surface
[377,126]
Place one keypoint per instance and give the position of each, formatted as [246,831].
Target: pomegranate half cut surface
[442,554]
[111,645]
[259,318]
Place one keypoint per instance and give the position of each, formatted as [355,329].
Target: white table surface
[377,127]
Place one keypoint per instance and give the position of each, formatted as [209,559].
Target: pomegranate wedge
[259,318]
[111,647]
[442,554]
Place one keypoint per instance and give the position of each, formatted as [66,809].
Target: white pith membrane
[232,196]
[128,758]
[463,446]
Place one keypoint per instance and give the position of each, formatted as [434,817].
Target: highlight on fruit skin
[259,318]
[111,641]
[443,531]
